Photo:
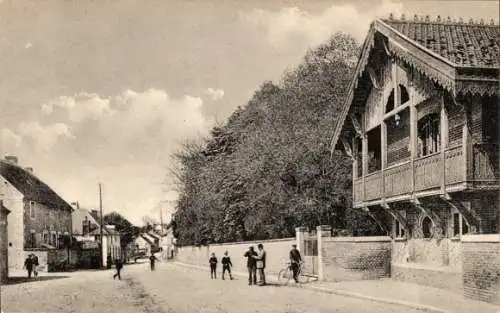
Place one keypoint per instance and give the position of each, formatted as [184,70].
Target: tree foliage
[268,169]
[127,231]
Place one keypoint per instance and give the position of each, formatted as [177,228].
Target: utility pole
[161,219]
[101,223]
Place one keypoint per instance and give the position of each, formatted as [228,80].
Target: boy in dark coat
[226,265]
[251,266]
[213,266]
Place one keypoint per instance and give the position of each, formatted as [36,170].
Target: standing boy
[213,266]
[226,265]
[152,260]
[251,266]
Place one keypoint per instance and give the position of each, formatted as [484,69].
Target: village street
[171,288]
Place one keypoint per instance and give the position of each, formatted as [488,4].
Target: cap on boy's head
[251,248]
[213,253]
[260,245]
[295,246]
[225,253]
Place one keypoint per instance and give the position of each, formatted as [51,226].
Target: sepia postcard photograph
[249,156]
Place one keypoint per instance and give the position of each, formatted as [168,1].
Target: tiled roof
[31,187]
[467,44]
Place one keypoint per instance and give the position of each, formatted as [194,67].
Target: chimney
[11,159]
[29,169]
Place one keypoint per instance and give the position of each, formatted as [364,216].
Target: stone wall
[481,267]
[355,258]
[277,252]
[44,221]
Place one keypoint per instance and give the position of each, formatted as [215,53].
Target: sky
[105,91]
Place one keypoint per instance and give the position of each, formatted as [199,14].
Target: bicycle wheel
[302,278]
[284,276]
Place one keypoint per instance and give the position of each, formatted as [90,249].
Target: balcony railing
[430,172]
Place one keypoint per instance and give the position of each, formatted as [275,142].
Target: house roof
[462,58]
[32,188]
[105,231]
[81,213]
[465,44]
[148,239]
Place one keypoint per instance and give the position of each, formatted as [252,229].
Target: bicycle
[286,274]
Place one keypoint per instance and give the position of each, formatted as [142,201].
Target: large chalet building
[421,126]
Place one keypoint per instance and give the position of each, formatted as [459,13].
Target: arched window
[426,227]
[429,134]
[403,98]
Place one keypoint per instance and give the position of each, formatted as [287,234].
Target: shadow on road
[22,280]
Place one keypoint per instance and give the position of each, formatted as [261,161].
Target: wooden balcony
[451,171]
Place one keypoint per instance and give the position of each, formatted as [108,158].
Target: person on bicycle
[295,261]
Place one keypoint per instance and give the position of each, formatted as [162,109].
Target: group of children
[226,266]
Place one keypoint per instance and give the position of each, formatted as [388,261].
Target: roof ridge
[426,19]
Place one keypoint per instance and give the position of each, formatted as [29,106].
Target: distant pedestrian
[295,261]
[28,265]
[226,265]
[261,264]
[251,266]
[152,260]
[119,266]
[213,266]
[35,265]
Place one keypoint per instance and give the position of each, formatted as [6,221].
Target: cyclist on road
[295,261]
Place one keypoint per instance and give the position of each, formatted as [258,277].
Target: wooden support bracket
[373,77]
[400,218]
[347,147]
[356,124]
[466,213]
[379,223]
[432,215]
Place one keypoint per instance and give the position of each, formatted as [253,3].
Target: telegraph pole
[101,223]
[161,219]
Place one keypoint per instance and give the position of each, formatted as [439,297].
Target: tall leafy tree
[269,169]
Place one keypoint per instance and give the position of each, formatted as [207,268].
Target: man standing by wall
[261,264]
[251,266]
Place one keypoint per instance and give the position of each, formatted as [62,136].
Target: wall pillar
[323,231]
[300,233]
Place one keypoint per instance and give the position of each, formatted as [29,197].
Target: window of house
[32,239]
[460,226]
[374,150]
[427,227]
[429,134]
[53,240]
[491,120]
[32,209]
[404,97]
[45,237]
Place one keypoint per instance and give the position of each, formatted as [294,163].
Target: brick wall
[277,252]
[481,267]
[356,258]
[44,220]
